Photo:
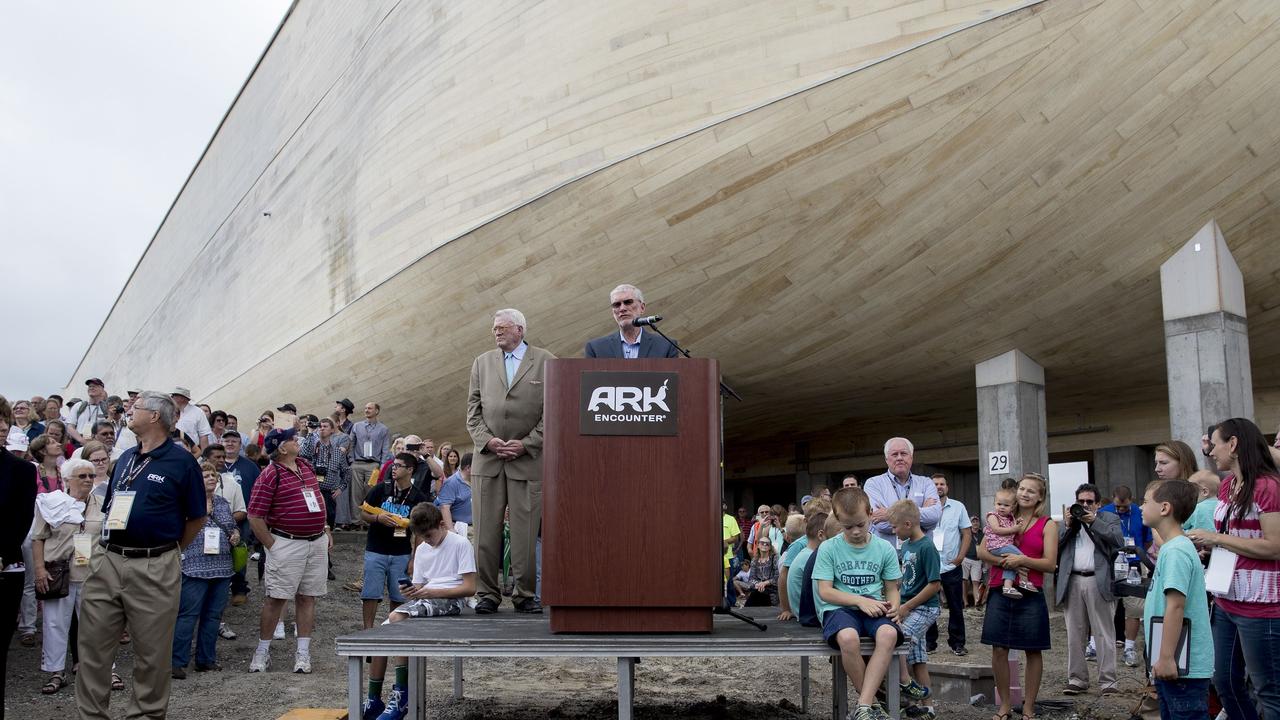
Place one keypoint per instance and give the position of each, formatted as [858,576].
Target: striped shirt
[1255,587]
[278,498]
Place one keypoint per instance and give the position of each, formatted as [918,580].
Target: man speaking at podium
[631,341]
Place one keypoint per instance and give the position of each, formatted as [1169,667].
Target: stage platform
[509,635]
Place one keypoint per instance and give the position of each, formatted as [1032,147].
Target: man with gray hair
[155,505]
[504,418]
[626,302]
[899,484]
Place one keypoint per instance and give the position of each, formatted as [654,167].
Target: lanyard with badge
[309,495]
[400,530]
[82,544]
[123,497]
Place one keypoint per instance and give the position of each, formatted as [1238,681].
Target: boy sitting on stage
[800,574]
[857,575]
[921,583]
[444,575]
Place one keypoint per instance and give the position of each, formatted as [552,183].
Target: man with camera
[1087,543]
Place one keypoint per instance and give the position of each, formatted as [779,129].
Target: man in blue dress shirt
[626,302]
[899,484]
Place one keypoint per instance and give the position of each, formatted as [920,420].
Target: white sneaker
[261,658]
[1131,657]
[279,633]
[302,662]
[226,633]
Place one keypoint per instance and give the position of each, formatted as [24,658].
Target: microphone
[647,320]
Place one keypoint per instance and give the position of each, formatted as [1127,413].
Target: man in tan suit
[504,417]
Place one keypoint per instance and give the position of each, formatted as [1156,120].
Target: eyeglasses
[399,466]
[619,303]
[99,460]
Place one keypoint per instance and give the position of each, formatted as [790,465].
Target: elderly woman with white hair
[66,529]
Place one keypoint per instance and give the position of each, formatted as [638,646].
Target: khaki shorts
[1133,607]
[297,567]
[972,570]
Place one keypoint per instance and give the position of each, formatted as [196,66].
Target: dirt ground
[518,689]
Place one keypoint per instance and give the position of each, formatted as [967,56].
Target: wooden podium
[632,533]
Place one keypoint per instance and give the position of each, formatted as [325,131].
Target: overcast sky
[104,109]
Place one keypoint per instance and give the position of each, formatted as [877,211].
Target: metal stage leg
[626,687]
[804,684]
[839,690]
[355,668]
[892,691]
[457,678]
[416,686]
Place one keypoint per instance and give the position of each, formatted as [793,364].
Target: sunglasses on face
[82,476]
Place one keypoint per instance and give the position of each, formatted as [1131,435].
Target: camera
[1077,511]
[313,425]
[321,471]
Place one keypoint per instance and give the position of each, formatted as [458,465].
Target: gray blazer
[1107,541]
[652,345]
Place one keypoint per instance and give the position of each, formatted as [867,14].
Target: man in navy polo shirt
[155,505]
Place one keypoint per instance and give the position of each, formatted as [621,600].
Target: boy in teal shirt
[921,583]
[792,533]
[1177,593]
[857,577]
[793,574]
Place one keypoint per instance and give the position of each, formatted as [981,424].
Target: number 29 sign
[998,462]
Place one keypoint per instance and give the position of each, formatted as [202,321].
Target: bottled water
[1134,578]
[1121,567]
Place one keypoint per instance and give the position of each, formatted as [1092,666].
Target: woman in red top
[1022,624]
[1246,621]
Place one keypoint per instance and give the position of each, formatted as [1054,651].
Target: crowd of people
[1193,568]
[135,518]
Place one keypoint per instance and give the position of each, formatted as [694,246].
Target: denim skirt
[1016,624]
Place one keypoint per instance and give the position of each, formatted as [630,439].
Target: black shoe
[528,606]
[960,651]
[208,668]
[179,674]
[486,607]
[931,647]
[331,575]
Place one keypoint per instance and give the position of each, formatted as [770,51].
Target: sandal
[1002,716]
[117,682]
[55,683]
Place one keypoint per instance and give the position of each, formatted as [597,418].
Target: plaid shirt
[330,455]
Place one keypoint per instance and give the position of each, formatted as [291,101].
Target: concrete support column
[1206,336]
[1130,465]
[1011,418]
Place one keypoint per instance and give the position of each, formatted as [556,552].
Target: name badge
[212,540]
[1221,571]
[121,506]
[309,495]
[83,543]
[400,532]
[368,448]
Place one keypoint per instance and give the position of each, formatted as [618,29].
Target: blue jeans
[1252,645]
[203,601]
[1183,699]
[1001,572]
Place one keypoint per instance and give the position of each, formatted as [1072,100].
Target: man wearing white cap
[191,419]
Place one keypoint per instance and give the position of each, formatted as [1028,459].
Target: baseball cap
[277,437]
[17,443]
[805,500]
[94,381]
[346,403]
[289,408]
[181,391]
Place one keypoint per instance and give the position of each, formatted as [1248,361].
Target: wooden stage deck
[509,635]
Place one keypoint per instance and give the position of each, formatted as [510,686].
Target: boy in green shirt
[793,531]
[921,583]
[1177,593]
[793,575]
[857,577]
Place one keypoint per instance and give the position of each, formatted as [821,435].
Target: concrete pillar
[1011,418]
[1130,465]
[1205,336]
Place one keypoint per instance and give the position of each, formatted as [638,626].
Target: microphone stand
[725,390]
